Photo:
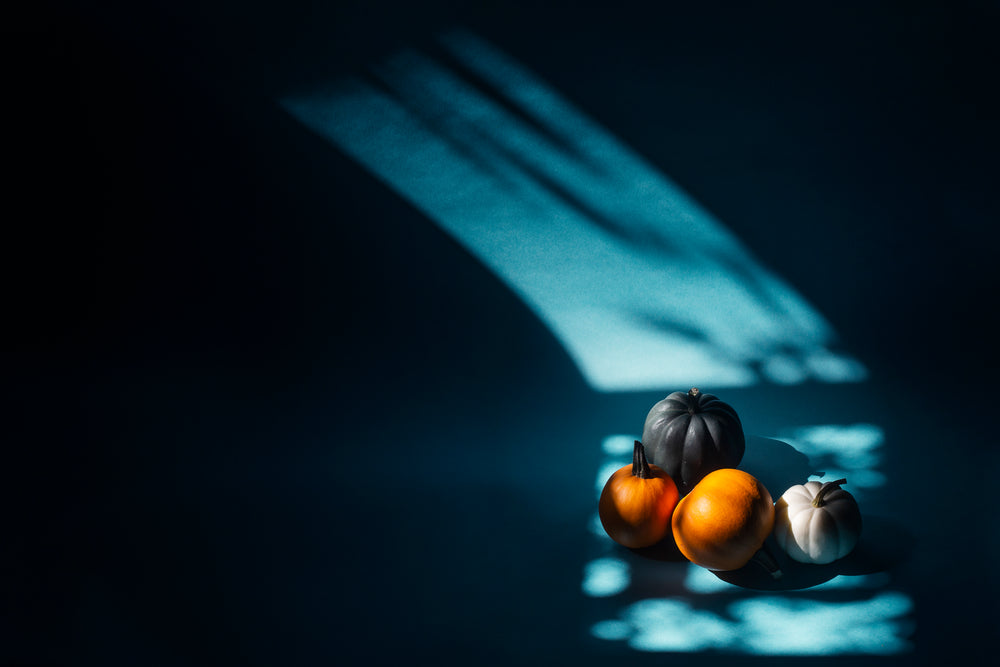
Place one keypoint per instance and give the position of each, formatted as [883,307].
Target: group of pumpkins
[683,481]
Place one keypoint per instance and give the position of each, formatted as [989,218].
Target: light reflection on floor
[766,625]
[852,452]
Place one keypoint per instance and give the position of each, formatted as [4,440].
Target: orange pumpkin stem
[820,498]
[640,466]
[766,560]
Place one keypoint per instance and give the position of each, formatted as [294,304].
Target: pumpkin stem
[820,498]
[693,394]
[766,560]
[640,466]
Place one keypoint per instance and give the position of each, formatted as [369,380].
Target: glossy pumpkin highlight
[723,522]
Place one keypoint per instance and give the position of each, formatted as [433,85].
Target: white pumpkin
[817,522]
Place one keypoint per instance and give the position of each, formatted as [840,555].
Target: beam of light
[644,287]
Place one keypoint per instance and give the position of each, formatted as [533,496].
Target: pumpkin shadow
[884,543]
[665,551]
[776,464]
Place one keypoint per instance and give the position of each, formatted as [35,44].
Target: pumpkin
[723,522]
[690,434]
[637,501]
[817,523]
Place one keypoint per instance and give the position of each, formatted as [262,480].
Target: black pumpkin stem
[694,399]
[820,498]
[640,466]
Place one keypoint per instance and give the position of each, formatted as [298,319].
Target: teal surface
[265,410]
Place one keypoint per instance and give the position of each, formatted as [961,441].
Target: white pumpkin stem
[820,498]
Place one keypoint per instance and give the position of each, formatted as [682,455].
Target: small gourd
[690,434]
[637,501]
[817,522]
[723,522]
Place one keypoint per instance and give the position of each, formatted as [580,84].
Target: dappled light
[766,625]
[605,576]
[852,451]
[875,621]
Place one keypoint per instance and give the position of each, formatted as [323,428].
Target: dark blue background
[263,412]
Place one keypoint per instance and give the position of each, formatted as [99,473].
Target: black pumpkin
[690,434]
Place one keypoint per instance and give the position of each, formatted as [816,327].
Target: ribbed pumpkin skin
[636,512]
[690,434]
[637,502]
[812,534]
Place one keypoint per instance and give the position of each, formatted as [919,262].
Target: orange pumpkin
[723,522]
[637,502]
